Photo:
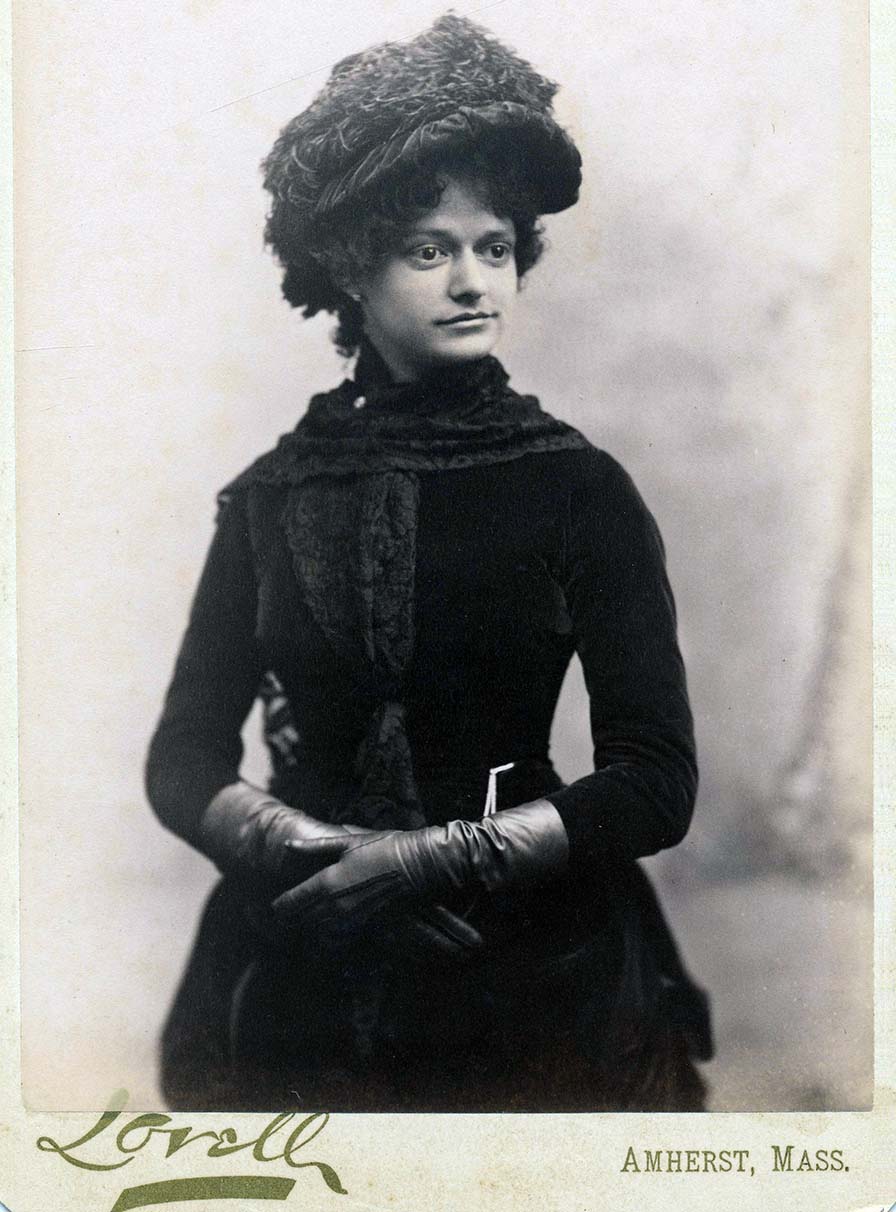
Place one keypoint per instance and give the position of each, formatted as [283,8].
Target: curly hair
[321,261]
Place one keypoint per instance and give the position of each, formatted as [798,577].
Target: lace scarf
[352,471]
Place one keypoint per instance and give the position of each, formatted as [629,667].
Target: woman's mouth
[467,319]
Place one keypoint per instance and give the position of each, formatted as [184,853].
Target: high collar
[452,388]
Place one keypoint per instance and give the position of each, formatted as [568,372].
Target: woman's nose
[466,278]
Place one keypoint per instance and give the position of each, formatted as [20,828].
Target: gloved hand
[519,847]
[248,833]
[430,933]
[271,846]
[433,935]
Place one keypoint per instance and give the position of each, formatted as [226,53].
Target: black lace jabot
[352,469]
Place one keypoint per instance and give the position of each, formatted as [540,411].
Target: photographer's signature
[280,1141]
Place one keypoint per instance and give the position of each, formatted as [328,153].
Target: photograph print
[444,534]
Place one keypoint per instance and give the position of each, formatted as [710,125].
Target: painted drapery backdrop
[700,315]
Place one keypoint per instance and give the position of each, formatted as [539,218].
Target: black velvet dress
[579,999]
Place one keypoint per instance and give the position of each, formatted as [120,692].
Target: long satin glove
[270,847]
[517,848]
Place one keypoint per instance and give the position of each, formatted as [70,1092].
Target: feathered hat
[398,104]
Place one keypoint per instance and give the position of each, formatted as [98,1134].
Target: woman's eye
[427,253]
[499,252]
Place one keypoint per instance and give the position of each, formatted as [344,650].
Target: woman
[404,581]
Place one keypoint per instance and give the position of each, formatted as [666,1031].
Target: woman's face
[445,292]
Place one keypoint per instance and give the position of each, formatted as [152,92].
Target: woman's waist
[451,791]
[446,789]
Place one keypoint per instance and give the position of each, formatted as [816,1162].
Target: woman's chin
[465,348]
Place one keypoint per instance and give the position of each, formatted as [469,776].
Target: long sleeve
[641,795]
[197,747]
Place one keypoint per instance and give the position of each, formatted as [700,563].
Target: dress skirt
[577,1003]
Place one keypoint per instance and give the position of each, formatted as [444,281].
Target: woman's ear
[348,286]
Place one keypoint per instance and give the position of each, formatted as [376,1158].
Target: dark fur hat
[398,103]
